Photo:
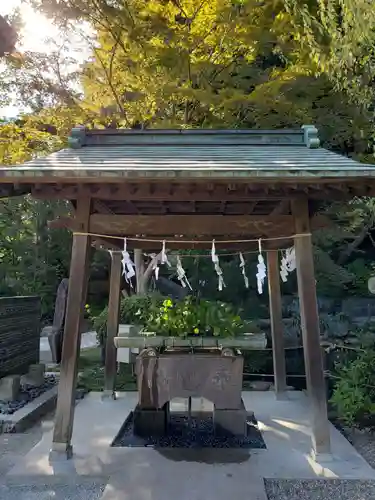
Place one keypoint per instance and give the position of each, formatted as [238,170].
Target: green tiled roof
[192,154]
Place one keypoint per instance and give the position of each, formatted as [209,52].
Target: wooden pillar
[112,325]
[310,328]
[78,280]
[277,329]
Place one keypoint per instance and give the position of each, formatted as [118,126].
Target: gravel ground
[364,442]
[89,491]
[320,489]
[332,489]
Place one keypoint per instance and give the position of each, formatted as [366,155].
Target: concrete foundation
[29,415]
[233,421]
[140,473]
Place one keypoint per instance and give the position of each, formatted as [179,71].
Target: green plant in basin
[192,316]
[134,310]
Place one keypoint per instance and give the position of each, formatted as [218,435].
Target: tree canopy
[192,63]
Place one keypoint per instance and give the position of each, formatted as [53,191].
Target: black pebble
[26,395]
[200,434]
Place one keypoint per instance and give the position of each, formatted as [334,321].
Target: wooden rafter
[251,206]
[149,207]
[165,191]
[101,207]
[281,208]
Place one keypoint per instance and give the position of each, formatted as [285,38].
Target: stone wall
[19,334]
[355,308]
[339,319]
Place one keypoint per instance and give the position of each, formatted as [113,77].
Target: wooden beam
[310,328]
[176,245]
[187,191]
[112,325]
[277,329]
[78,279]
[200,225]
[191,225]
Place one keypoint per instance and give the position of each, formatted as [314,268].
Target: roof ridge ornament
[77,137]
[311,137]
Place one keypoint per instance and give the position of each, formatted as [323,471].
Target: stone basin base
[151,421]
[155,422]
[214,375]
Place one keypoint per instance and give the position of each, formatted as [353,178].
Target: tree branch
[358,240]
[113,90]
[149,269]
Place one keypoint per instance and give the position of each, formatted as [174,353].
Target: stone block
[46,331]
[55,339]
[151,421]
[128,330]
[233,421]
[287,388]
[123,355]
[9,387]
[260,385]
[126,354]
[35,376]
[39,368]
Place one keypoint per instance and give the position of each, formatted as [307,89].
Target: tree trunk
[143,273]
[139,271]
[345,254]
[8,37]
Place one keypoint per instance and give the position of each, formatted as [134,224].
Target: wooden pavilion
[197,185]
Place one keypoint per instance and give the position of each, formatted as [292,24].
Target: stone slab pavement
[98,471]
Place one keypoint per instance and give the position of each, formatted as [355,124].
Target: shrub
[133,310]
[354,392]
[190,316]
[92,379]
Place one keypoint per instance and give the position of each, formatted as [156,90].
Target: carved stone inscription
[167,376]
[19,334]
